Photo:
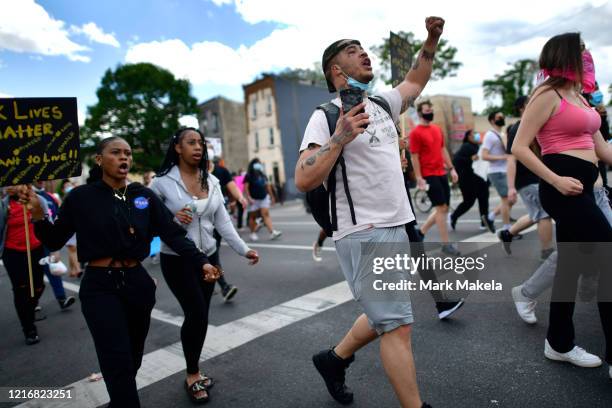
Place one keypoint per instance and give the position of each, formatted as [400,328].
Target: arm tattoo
[408,102]
[312,159]
[426,55]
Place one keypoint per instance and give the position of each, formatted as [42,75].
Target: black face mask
[500,122]
[428,116]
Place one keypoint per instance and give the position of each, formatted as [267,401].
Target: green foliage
[610,92]
[444,61]
[142,104]
[518,80]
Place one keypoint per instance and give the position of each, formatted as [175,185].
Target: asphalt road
[289,307]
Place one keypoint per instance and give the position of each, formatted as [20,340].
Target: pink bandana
[588,73]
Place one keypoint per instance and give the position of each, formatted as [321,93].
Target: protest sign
[401,58]
[39,140]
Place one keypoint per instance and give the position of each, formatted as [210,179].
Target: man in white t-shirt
[374,211]
[494,151]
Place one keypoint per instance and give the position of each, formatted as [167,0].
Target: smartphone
[351,97]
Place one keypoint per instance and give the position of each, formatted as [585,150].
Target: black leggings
[578,219]
[16,264]
[193,293]
[472,188]
[221,281]
[117,304]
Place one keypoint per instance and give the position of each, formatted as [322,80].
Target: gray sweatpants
[544,276]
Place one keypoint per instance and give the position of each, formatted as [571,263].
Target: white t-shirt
[373,169]
[492,142]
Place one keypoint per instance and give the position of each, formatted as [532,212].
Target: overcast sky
[63,47]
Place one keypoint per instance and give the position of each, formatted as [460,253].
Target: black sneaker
[332,368]
[453,223]
[490,224]
[426,405]
[31,337]
[66,303]
[506,238]
[445,309]
[228,292]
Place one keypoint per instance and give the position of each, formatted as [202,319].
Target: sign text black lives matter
[39,140]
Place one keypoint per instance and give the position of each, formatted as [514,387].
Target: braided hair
[172,158]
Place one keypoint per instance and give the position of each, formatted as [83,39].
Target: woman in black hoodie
[114,223]
[472,186]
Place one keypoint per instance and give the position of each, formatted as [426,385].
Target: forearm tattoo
[310,161]
[424,54]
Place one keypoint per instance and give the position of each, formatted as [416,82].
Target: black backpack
[320,199]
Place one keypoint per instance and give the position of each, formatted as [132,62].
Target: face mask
[500,122]
[476,137]
[588,73]
[597,98]
[68,189]
[258,167]
[353,83]
[428,116]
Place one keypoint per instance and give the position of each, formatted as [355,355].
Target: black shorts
[439,190]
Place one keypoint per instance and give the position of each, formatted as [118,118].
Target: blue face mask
[258,167]
[597,98]
[476,137]
[353,83]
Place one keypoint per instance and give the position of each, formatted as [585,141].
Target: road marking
[281,246]
[165,362]
[312,223]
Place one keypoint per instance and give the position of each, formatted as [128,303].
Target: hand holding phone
[350,98]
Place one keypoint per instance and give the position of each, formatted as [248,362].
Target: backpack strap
[332,113]
[346,191]
[382,102]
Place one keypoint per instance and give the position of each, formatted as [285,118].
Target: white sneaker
[316,252]
[254,236]
[525,307]
[275,234]
[577,356]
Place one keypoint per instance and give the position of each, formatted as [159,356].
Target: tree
[610,92]
[518,80]
[142,104]
[444,62]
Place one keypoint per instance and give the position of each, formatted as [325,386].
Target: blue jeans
[55,281]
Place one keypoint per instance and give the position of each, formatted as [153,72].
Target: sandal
[209,382]
[194,389]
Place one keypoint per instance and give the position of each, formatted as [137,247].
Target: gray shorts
[531,197]
[500,182]
[385,311]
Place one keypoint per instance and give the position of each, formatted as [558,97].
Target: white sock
[507,226]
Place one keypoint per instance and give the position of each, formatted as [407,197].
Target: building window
[254,109]
[256,141]
[269,107]
[215,122]
[271,137]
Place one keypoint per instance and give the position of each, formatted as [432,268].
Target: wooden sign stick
[27,234]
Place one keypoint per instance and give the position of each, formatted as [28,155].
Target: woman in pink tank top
[567,131]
